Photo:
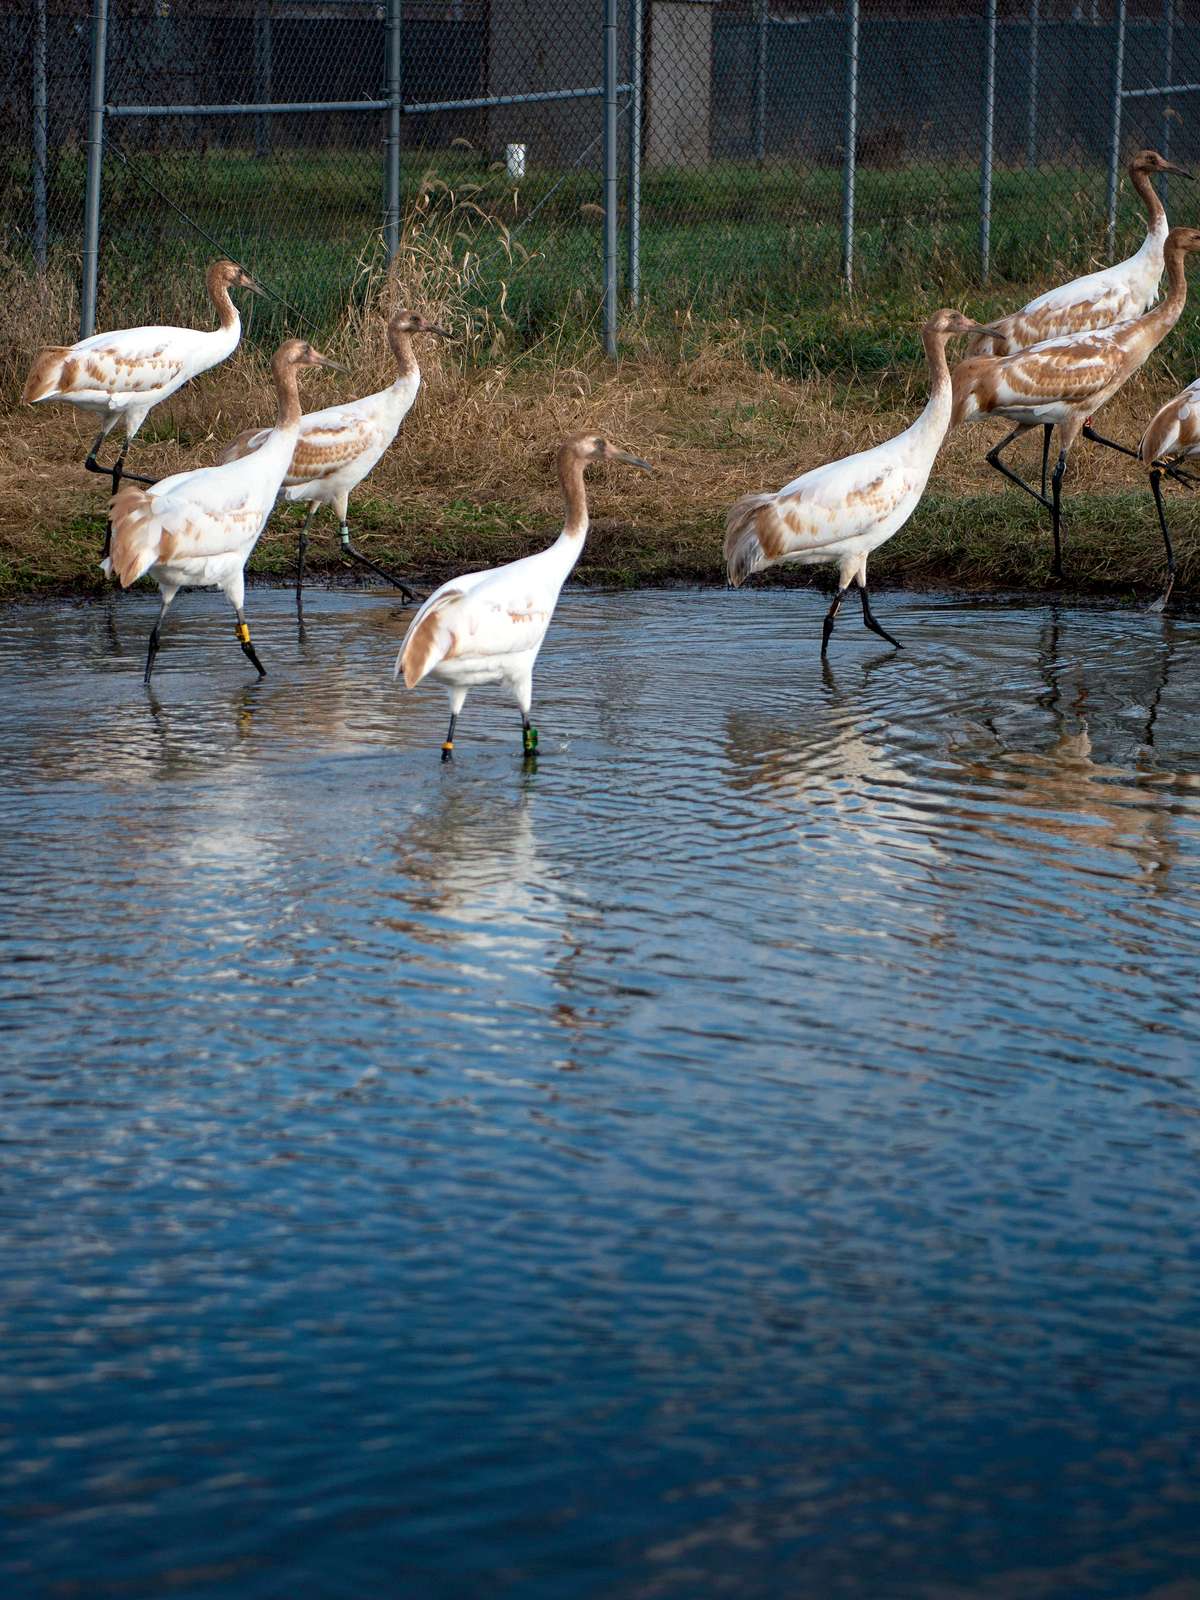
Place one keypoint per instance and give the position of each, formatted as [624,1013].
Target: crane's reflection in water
[759,1140]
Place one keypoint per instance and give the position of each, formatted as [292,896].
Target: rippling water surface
[753,1154]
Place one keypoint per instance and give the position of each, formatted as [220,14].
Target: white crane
[1173,436]
[487,627]
[340,445]
[1098,299]
[197,529]
[843,511]
[1063,382]
[123,375]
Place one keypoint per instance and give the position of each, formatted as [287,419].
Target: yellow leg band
[448,744]
[242,629]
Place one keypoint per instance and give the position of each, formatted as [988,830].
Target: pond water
[752,1154]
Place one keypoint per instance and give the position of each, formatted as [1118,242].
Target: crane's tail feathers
[744,553]
[245,444]
[136,535]
[45,376]
[428,641]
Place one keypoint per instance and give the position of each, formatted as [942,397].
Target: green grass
[727,241]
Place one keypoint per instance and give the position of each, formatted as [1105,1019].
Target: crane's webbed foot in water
[243,635]
[448,741]
[831,618]
[870,620]
[529,739]
[365,561]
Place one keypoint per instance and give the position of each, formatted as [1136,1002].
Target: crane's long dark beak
[1181,172]
[632,461]
[328,361]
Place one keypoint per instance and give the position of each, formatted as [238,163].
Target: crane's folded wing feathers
[476,624]
[194,515]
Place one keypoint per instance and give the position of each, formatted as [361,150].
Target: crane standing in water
[843,511]
[197,529]
[337,447]
[1062,382]
[487,627]
[123,375]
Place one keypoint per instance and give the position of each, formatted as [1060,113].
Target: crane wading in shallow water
[123,375]
[197,529]
[487,627]
[843,511]
[1114,294]
[339,446]
[1173,436]
[1063,382]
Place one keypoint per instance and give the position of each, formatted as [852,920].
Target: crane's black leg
[993,460]
[529,737]
[870,620]
[303,550]
[364,561]
[448,742]
[243,635]
[117,471]
[831,617]
[1098,438]
[154,642]
[1047,434]
[1155,484]
[1056,512]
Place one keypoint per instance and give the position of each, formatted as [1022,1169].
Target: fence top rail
[1167,88]
[290,107]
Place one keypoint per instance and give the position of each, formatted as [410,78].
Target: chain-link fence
[732,158]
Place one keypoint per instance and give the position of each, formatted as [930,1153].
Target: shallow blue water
[753,1154]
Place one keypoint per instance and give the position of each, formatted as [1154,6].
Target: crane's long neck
[287,395]
[575,520]
[1156,217]
[1159,322]
[930,427]
[227,312]
[407,370]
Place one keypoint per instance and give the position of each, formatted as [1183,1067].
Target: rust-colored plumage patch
[136,534]
[46,373]
[744,551]
[429,641]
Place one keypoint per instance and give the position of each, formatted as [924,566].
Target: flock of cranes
[1054,363]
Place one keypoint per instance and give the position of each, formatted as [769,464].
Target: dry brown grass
[486,423]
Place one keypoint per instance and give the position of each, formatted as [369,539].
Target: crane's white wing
[494,618]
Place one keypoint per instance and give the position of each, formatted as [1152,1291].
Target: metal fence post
[1114,148]
[262,75]
[1031,121]
[989,134]
[634,241]
[1168,70]
[395,62]
[41,231]
[850,153]
[610,177]
[760,81]
[95,167]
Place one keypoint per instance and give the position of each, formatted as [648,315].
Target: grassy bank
[723,401]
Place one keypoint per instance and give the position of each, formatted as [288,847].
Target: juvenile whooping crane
[843,511]
[1063,382]
[1173,436]
[197,529]
[123,375]
[1097,300]
[340,445]
[487,627]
